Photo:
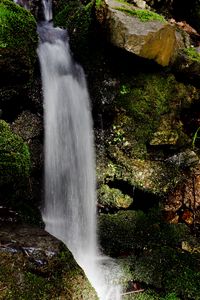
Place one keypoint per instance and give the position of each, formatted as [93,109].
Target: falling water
[70,199]
[47,5]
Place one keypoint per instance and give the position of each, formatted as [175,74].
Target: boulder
[141,32]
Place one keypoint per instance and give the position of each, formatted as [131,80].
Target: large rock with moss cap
[141,32]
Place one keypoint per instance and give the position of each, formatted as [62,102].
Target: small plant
[124,89]
[195,137]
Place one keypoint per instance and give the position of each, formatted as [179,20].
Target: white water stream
[70,198]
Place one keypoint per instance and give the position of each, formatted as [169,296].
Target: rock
[140,32]
[35,265]
[185,159]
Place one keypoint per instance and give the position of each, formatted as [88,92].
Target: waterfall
[47,7]
[70,199]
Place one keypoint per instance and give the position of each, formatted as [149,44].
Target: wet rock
[141,32]
[35,265]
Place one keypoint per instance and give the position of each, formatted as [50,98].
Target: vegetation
[142,14]
[195,137]
[14,155]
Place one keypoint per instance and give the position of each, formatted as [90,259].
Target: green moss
[193,54]
[14,155]
[18,40]
[142,14]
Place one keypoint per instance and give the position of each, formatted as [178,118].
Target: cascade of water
[70,199]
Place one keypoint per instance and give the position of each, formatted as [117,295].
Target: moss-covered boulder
[17,49]
[14,156]
[141,32]
[35,265]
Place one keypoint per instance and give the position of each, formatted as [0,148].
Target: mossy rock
[14,156]
[132,231]
[150,252]
[148,97]
[36,265]
[77,17]
[18,41]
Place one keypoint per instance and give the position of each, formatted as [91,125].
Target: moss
[193,54]
[142,14]
[14,155]
[18,40]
